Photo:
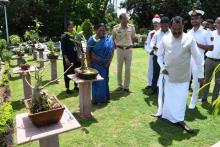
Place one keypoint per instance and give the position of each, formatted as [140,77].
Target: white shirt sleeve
[198,59]
[160,54]
[147,43]
[208,38]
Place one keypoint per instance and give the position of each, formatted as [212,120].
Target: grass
[126,120]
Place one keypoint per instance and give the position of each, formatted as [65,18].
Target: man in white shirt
[164,30]
[204,43]
[211,62]
[174,55]
[156,25]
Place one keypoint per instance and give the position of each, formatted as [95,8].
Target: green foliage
[32,34]
[6,114]
[15,40]
[3,44]
[51,47]
[87,28]
[6,55]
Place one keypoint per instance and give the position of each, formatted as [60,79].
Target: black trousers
[70,71]
[156,73]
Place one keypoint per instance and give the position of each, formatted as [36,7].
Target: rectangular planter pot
[46,117]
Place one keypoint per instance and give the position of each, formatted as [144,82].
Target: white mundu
[174,55]
[202,37]
[150,57]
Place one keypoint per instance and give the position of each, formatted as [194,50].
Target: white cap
[156,19]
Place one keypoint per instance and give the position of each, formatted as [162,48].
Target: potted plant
[6,125]
[51,47]
[25,66]
[43,109]
[6,56]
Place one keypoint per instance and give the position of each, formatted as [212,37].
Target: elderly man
[211,62]
[174,56]
[204,43]
[124,35]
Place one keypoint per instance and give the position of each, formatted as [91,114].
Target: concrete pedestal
[53,69]
[25,75]
[85,95]
[47,135]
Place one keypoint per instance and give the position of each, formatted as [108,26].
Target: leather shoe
[148,87]
[184,126]
[156,115]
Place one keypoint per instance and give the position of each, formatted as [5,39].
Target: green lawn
[126,120]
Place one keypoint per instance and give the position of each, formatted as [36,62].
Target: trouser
[210,66]
[150,70]
[156,72]
[124,56]
[70,71]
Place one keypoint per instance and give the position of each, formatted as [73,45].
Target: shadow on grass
[168,132]
[207,106]
[116,95]
[17,105]
[95,107]
[14,78]
[150,100]
[85,122]
[64,95]
[192,114]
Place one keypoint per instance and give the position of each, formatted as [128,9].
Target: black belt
[217,60]
[123,47]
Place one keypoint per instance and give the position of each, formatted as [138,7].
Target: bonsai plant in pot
[25,66]
[43,109]
[51,47]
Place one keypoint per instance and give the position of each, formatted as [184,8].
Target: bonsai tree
[3,46]
[41,101]
[51,47]
[15,40]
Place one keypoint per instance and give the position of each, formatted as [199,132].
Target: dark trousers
[210,66]
[70,71]
[156,72]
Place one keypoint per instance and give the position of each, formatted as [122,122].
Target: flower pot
[40,49]
[46,117]
[52,56]
[25,66]
[20,53]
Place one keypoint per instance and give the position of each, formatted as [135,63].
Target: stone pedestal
[19,60]
[85,95]
[34,55]
[47,135]
[27,90]
[53,70]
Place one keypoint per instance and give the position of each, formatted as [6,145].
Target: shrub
[87,28]
[15,40]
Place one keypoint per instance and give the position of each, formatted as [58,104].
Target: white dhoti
[160,94]
[150,70]
[175,98]
[196,84]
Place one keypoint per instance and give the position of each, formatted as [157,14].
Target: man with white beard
[174,56]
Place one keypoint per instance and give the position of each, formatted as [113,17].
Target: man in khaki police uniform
[124,35]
